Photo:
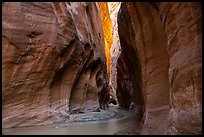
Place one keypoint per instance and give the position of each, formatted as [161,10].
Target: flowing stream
[113,121]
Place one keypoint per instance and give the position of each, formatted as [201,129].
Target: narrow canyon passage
[109,68]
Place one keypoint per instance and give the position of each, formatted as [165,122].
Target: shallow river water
[112,121]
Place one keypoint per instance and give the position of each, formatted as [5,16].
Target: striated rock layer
[183,29]
[115,49]
[124,86]
[53,61]
[161,48]
[113,7]
[107,29]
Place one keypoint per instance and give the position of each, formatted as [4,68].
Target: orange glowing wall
[107,30]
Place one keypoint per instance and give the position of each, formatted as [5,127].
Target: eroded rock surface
[183,29]
[124,88]
[53,61]
[56,56]
[107,29]
[161,47]
[115,49]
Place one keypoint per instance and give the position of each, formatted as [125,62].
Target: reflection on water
[114,121]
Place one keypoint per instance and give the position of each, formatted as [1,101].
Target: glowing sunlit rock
[107,29]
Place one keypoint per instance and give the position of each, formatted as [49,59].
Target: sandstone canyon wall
[107,29]
[53,63]
[124,90]
[183,29]
[57,57]
[119,78]
[161,48]
[115,48]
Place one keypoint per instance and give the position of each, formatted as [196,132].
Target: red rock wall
[163,41]
[115,48]
[124,86]
[183,29]
[53,61]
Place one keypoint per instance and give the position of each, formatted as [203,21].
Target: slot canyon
[110,68]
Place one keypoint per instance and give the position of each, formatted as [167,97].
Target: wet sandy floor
[113,121]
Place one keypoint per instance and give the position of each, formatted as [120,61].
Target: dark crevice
[65,51]
[34,34]
[87,47]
